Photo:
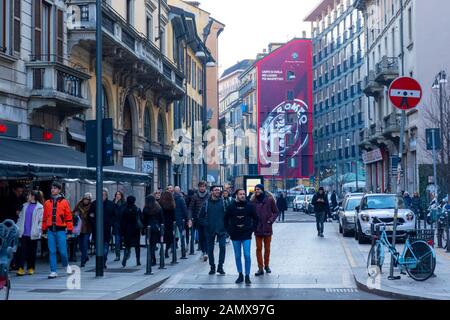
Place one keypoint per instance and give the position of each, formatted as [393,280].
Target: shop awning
[24,158]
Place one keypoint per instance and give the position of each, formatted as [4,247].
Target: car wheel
[346,233]
[340,227]
[355,235]
[361,237]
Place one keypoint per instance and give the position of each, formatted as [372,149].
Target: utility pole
[99,243]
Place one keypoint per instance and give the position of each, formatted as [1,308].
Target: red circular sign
[47,136]
[405,93]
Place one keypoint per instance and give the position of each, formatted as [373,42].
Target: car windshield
[382,202]
[299,198]
[352,203]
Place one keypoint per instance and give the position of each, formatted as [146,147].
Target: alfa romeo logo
[284,124]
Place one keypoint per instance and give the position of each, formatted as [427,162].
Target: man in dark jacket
[321,207]
[282,206]
[195,205]
[241,221]
[267,211]
[13,205]
[181,211]
[109,219]
[211,217]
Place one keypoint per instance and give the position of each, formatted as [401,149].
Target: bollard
[161,249]
[174,244]
[148,268]
[183,241]
[192,241]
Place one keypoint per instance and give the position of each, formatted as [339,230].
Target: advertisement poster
[250,182]
[285,112]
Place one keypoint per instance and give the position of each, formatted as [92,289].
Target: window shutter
[38,29]
[59,35]
[16,33]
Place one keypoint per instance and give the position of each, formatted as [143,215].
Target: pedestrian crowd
[201,216]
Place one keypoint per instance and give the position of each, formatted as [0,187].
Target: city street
[304,267]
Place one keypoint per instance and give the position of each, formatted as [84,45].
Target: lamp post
[439,82]
[348,148]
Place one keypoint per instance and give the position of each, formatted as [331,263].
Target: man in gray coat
[212,216]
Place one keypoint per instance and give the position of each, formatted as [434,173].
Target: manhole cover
[47,290]
[118,270]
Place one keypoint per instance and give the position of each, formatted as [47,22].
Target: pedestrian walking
[14,203]
[82,209]
[30,230]
[321,207]
[188,199]
[119,205]
[167,203]
[181,211]
[109,219]
[131,227]
[57,225]
[152,215]
[211,217]
[157,194]
[407,199]
[282,206]
[195,205]
[267,212]
[416,205]
[240,222]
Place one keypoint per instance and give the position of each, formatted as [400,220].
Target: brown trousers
[259,245]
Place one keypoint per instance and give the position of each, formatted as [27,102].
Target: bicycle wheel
[425,261]
[375,257]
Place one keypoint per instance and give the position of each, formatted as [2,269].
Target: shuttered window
[16,32]
[59,35]
[37,29]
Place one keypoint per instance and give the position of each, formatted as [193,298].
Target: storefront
[37,164]
[375,168]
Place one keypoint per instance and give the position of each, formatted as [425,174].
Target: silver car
[297,203]
[381,207]
[307,206]
[347,215]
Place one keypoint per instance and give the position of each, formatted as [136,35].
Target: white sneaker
[52,275]
[69,270]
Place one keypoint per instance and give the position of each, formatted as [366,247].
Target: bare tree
[434,118]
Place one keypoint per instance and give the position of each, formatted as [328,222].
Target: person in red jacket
[57,225]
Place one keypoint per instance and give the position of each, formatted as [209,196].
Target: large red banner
[285,146]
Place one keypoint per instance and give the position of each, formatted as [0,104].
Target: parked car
[347,214]
[382,206]
[307,207]
[297,203]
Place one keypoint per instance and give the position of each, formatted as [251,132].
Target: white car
[297,203]
[347,214]
[307,206]
[380,208]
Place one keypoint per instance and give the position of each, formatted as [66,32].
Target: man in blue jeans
[212,216]
[241,221]
[57,225]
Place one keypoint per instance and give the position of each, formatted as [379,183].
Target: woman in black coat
[131,225]
[167,203]
[152,215]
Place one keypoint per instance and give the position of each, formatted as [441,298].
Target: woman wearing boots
[82,209]
[131,227]
[119,204]
[167,203]
[152,216]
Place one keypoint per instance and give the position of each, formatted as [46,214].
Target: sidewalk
[117,283]
[436,288]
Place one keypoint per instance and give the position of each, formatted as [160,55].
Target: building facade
[47,91]
[402,39]
[339,102]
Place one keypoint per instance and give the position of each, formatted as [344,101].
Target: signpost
[405,93]
[434,143]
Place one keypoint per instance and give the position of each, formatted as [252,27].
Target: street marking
[348,253]
[341,290]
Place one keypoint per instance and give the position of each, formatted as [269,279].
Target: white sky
[252,24]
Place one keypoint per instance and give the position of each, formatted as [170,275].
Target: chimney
[304,34]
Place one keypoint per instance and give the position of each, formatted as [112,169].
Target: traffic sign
[437,138]
[405,93]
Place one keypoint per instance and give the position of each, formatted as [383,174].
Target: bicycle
[9,238]
[418,257]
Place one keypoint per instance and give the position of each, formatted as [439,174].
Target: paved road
[304,267]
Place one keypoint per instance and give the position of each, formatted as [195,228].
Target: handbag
[77,225]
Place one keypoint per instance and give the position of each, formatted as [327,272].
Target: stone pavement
[406,288]
[117,283]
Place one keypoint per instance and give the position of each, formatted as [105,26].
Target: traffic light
[107,143]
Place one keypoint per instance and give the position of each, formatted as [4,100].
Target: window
[10,15]
[189,66]
[147,125]
[410,24]
[46,16]
[130,11]
[194,75]
[200,79]
[84,13]
[149,27]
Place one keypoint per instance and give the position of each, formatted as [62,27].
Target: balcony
[387,70]
[371,87]
[391,128]
[364,137]
[57,85]
[247,87]
[130,52]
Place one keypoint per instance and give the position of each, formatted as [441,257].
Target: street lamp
[439,82]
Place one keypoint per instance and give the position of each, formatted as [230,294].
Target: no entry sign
[405,93]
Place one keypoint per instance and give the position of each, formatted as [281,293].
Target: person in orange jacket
[57,224]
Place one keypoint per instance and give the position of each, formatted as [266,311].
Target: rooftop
[241,65]
[318,11]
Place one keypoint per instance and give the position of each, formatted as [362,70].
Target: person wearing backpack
[131,227]
[211,217]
